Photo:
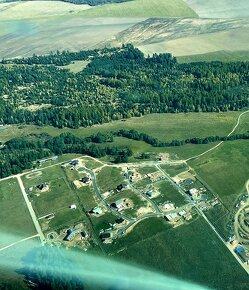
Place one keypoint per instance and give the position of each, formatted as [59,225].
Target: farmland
[16,223]
[142,8]
[191,252]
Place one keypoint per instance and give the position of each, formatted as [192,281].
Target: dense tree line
[21,153]
[117,83]
[95,2]
[135,135]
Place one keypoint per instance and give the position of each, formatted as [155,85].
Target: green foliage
[118,83]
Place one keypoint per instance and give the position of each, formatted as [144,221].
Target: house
[173,217]
[183,214]
[42,187]
[169,206]
[73,206]
[193,192]
[121,187]
[151,194]
[242,253]
[85,179]
[74,162]
[106,194]
[71,234]
[119,204]
[96,210]
[119,221]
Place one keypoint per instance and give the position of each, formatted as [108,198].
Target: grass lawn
[225,170]
[15,220]
[109,178]
[138,201]
[191,252]
[142,8]
[168,193]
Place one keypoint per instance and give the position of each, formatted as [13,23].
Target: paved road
[31,210]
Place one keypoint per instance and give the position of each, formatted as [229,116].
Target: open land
[16,223]
[191,252]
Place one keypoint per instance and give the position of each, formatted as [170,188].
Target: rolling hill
[142,8]
[186,36]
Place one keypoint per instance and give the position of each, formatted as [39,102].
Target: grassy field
[223,55]
[86,197]
[234,39]
[142,8]
[109,178]
[174,169]
[220,9]
[57,199]
[168,193]
[225,170]
[165,127]
[191,252]
[16,223]
[75,66]
[38,9]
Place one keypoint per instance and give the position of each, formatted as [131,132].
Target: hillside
[143,8]
[220,9]
[186,36]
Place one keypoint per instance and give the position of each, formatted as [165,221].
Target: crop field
[168,193]
[69,32]
[191,252]
[40,9]
[109,178]
[142,8]
[235,39]
[225,170]
[16,223]
[223,55]
[220,9]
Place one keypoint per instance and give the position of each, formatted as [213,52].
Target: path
[218,145]
[31,210]
[18,242]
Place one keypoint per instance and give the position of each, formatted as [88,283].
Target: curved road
[216,146]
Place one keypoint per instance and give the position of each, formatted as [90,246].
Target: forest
[117,83]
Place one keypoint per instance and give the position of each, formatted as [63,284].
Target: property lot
[191,252]
[15,220]
[54,197]
[168,193]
